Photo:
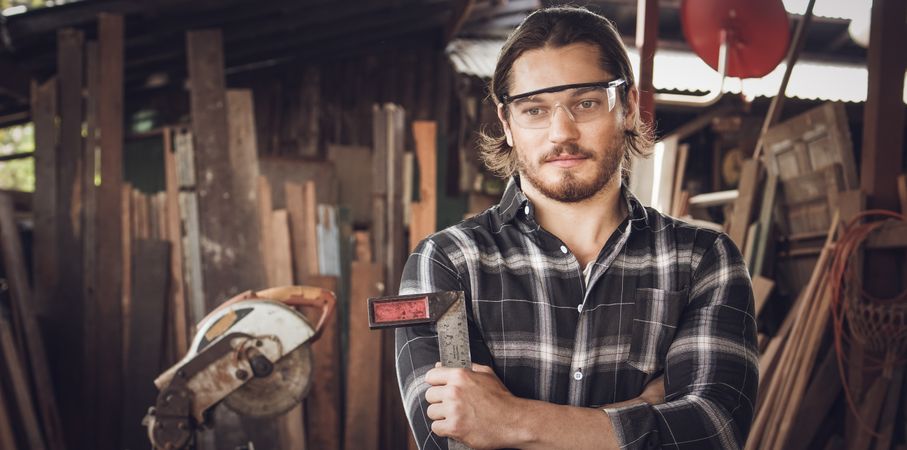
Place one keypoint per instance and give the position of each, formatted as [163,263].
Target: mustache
[568,149]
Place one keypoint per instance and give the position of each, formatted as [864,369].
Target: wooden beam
[44,115]
[883,117]
[109,322]
[646,41]
[231,260]
[65,334]
[229,234]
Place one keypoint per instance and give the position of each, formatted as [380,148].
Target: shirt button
[577,375]
[526,210]
[580,308]
[564,249]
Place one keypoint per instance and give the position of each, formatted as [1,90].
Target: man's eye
[587,104]
[532,112]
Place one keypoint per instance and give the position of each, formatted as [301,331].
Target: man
[580,301]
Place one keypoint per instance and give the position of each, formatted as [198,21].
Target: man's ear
[507,132]
[631,115]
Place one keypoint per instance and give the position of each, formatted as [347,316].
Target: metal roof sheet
[684,71]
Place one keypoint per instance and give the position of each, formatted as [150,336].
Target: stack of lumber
[789,359]
[28,410]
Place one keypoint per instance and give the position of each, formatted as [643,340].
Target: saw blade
[278,392]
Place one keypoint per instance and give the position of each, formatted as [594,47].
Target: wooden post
[231,258]
[109,321]
[883,118]
[646,41]
[44,115]
[90,311]
[229,235]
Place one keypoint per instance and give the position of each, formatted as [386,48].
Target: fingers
[481,368]
[434,394]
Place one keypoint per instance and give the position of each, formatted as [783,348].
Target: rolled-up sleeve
[711,369]
[428,269]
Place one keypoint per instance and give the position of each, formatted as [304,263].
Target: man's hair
[559,27]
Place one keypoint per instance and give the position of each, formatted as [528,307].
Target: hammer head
[409,310]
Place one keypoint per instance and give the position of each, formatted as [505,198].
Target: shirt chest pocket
[655,323]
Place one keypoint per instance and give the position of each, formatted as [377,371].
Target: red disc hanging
[757,33]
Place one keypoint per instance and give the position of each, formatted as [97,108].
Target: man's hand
[471,406]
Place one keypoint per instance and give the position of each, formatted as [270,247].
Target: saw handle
[304,296]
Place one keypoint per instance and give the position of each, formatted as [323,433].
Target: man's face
[566,161]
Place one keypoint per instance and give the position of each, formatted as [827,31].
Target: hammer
[447,310]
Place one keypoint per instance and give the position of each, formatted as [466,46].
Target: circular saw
[252,353]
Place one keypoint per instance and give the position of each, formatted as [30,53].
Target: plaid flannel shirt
[663,297]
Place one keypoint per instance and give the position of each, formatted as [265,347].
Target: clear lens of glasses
[582,104]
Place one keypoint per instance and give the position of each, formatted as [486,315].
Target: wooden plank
[90,314]
[175,237]
[21,297]
[364,376]
[44,113]
[328,241]
[292,425]
[64,341]
[150,291]
[891,235]
[279,171]
[354,170]
[762,290]
[743,205]
[424,212]
[15,366]
[231,257]
[191,240]
[265,213]
[128,231]
[7,438]
[323,403]
[766,224]
[280,247]
[303,263]
[870,408]
[821,395]
[890,409]
[109,321]
[310,238]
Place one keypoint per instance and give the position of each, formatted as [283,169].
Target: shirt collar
[514,201]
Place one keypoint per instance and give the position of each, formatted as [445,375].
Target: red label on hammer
[401,310]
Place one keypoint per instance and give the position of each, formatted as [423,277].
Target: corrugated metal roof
[684,71]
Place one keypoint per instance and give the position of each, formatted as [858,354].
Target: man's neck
[584,226]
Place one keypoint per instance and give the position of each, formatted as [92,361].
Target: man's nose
[563,126]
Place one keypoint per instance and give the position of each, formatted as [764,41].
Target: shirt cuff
[634,426]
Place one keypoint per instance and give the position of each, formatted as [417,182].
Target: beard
[569,187]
